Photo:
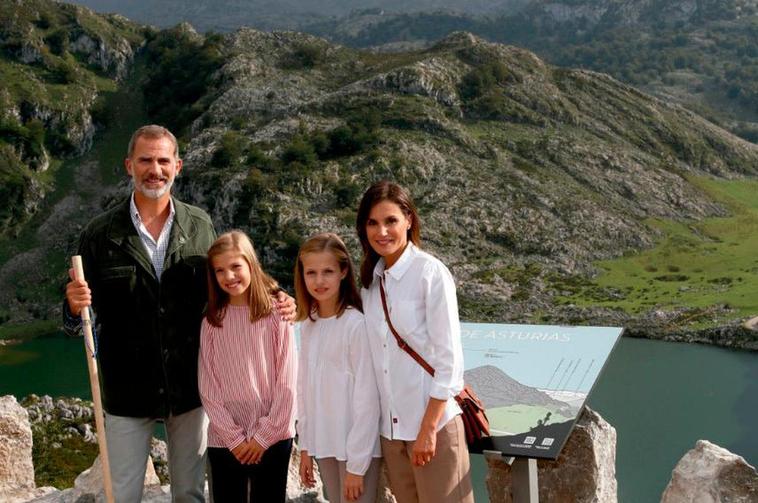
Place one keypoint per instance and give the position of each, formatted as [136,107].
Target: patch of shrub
[257,159]
[180,74]
[28,138]
[672,277]
[304,55]
[724,280]
[299,150]
[100,113]
[482,79]
[44,21]
[229,151]
[58,41]
[346,195]
[63,72]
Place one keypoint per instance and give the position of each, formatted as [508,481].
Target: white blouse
[424,311]
[338,401]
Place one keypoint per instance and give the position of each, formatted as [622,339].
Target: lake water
[661,398]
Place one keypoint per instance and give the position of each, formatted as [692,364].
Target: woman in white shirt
[422,436]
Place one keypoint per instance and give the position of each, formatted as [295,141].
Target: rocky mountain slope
[524,173]
[700,54]
[55,60]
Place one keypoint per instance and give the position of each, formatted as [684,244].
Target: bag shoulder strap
[400,341]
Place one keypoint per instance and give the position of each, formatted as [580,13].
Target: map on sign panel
[533,380]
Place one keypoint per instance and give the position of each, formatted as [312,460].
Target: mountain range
[525,174]
[700,54]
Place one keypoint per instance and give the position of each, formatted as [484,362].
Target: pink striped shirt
[248,378]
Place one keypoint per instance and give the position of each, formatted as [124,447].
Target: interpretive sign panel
[533,380]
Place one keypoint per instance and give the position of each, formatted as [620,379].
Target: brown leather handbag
[475,422]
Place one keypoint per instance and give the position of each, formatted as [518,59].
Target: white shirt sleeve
[444,330]
[364,432]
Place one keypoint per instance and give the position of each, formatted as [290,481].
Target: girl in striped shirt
[338,399]
[247,377]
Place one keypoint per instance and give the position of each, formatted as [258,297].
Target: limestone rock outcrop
[585,471]
[16,467]
[711,474]
[297,492]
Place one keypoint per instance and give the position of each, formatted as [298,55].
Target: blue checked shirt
[156,249]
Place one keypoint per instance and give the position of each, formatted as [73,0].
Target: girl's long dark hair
[383,191]
[348,293]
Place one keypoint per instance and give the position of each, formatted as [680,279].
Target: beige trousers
[445,479]
[333,474]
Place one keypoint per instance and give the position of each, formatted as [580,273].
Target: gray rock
[159,455]
[585,471]
[711,474]
[114,60]
[85,429]
[297,492]
[25,495]
[16,467]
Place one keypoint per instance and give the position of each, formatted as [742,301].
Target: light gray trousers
[333,474]
[129,445]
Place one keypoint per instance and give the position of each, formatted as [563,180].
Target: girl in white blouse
[338,401]
[422,436]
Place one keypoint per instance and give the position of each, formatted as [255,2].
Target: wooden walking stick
[94,382]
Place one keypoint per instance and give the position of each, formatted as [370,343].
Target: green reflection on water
[52,365]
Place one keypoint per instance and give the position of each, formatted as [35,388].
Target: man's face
[153,167]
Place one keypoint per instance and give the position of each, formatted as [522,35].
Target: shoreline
[740,334]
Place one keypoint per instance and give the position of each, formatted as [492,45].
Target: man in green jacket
[145,267]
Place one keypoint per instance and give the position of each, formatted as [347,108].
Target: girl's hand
[424,447]
[256,452]
[306,470]
[353,486]
[242,452]
[285,306]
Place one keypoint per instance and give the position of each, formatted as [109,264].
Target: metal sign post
[524,479]
[525,488]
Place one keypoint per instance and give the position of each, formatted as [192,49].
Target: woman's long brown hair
[261,287]
[383,191]
[348,292]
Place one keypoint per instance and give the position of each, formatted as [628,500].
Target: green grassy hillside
[56,59]
[708,268]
